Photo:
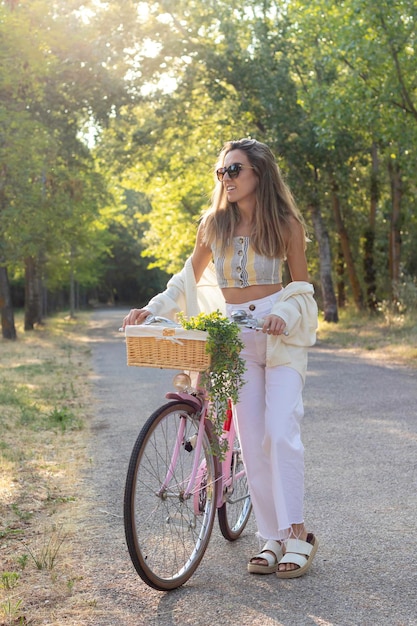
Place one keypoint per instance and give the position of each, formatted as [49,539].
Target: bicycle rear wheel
[166,531]
[234,514]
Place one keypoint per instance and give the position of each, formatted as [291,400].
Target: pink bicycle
[175,484]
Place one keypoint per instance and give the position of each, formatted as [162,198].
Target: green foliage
[64,418]
[44,555]
[23,560]
[160,87]
[320,82]
[22,515]
[126,278]
[62,81]
[10,607]
[9,580]
[172,163]
[224,379]
[12,611]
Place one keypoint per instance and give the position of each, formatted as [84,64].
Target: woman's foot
[299,554]
[298,531]
[266,562]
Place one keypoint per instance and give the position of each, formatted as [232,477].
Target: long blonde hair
[274,209]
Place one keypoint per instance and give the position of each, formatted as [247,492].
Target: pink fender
[186,397]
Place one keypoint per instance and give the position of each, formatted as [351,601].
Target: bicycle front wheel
[167,530]
[234,514]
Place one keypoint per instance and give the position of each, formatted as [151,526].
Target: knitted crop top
[241,266]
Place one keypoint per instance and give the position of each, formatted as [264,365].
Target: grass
[45,554]
[385,337]
[44,406]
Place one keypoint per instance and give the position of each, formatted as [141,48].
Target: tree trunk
[395,228]
[72,286]
[12,4]
[347,253]
[341,286]
[6,307]
[32,294]
[322,236]
[369,236]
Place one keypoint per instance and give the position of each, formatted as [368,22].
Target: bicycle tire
[234,514]
[165,536]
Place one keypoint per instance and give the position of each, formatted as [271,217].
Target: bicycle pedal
[190,443]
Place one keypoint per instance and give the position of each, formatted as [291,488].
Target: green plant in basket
[224,378]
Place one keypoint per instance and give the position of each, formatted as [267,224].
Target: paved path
[360,434]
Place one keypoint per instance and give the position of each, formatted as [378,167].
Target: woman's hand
[135,316]
[274,325]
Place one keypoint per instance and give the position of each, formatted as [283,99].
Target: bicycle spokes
[170,498]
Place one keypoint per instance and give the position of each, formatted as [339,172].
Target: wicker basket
[167,347]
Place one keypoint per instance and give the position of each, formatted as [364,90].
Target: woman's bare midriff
[234,295]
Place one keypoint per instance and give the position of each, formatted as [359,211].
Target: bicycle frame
[227,466]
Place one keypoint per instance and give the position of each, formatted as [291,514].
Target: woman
[252,226]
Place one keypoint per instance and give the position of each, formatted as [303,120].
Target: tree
[373,48]
[6,307]
[66,77]
[315,81]
[234,81]
[126,277]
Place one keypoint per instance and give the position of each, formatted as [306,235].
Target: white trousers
[268,417]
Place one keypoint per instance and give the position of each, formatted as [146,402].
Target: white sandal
[272,559]
[299,553]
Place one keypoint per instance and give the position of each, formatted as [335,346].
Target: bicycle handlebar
[157,319]
[246,319]
[240,317]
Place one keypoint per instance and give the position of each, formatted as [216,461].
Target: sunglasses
[232,171]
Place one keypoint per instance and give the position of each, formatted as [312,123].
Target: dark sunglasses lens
[220,173]
[234,170]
